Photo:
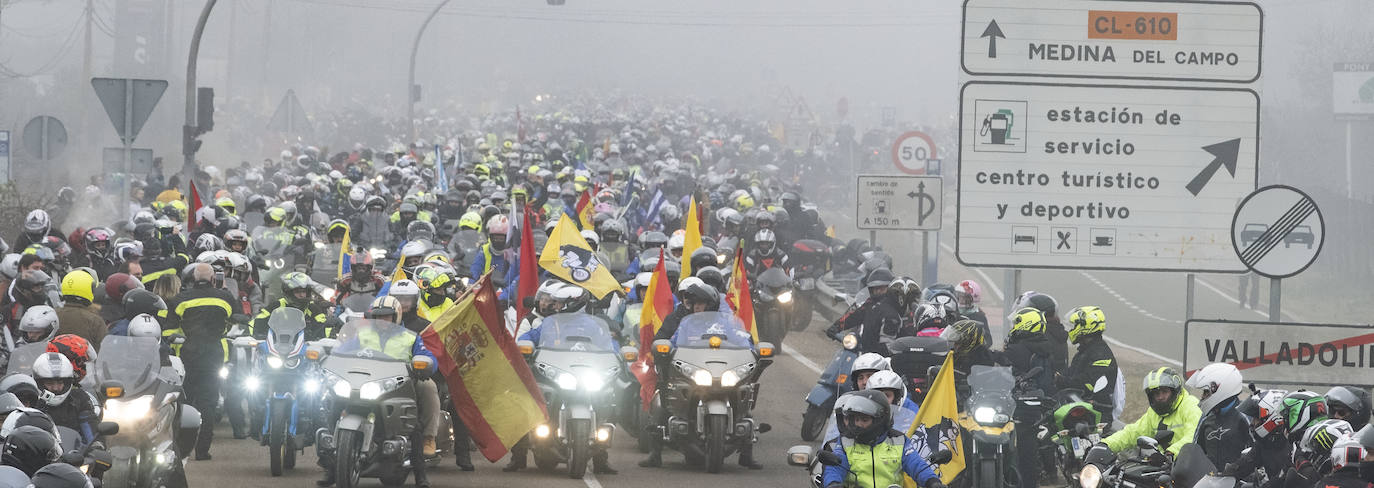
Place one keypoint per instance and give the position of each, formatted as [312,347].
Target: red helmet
[77,349]
[118,284]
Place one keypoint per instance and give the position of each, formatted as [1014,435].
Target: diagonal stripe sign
[1284,226]
[1292,219]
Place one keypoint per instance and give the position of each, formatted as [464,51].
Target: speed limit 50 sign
[912,151]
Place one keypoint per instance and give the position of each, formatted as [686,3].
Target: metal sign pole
[1275,298]
[128,148]
[873,238]
[43,147]
[1192,283]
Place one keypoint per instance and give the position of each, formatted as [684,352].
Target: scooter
[834,381]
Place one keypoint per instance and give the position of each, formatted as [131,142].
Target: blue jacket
[912,464]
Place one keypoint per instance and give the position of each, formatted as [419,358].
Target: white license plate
[1080,447]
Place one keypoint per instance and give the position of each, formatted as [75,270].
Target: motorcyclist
[362,277]
[38,324]
[1171,407]
[98,252]
[389,309]
[407,294]
[1302,411]
[1028,352]
[491,254]
[62,398]
[202,312]
[298,292]
[765,254]
[436,288]
[1314,451]
[30,449]
[967,294]
[879,312]
[37,227]
[1346,456]
[1349,403]
[871,453]
[1272,451]
[903,409]
[29,290]
[1093,362]
[693,296]
[1054,330]
[1223,431]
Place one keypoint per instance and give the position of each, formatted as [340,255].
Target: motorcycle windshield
[578,332]
[358,302]
[696,331]
[285,324]
[369,339]
[468,240]
[991,379]
[774,278]
[133,361]
[617,255]
[21,361]
[271,242]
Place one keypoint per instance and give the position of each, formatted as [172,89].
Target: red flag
[658,302]
[585,211]
[194,204]
[529,266]
[737,295]
[490,382]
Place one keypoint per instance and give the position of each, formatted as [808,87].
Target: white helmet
[1346,451]
[888,380]
[39,319]
[144,325]
[405,288]
[52,366]
[9,265]
[592,238]
[677,242]
[869,361]
[1216,382]
[1321,437]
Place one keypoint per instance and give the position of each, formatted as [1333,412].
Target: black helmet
[1349,403]
[711,275]
[871,403]
[140,301]
[879,277]
[1039,301]
[695,290]
[790,199]
[702,257]
[30,449]
[60,475]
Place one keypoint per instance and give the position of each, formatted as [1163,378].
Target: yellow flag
[568,256]
[939,416]
[693,228]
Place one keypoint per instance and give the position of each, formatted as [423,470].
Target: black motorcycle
[774,302]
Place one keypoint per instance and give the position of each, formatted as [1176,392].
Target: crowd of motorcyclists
[317,254]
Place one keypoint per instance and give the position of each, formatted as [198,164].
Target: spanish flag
[585,211]
[345,255]
[737,295]
[937,420]
[568,256]
[693,228]
[492,387]
[658,303]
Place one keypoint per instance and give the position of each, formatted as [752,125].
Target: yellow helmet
[470,220]
[79,284]
[226,203]
[744,202]
[481,170]
[1027,321]
[1086,320]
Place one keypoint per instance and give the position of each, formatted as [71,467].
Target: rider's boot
[746,457]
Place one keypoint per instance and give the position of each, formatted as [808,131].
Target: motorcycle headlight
[702,377]
[592,382]
[374,389]
[1090,476]
[328,294]
[377,253]
[566,381]
[729,379]
[252,383]
[274,362]
[311,386]
[128,410]
[319,245]
[223,372]
[342,388]
[850,341]
[785,297]
[720,259]
[984,415]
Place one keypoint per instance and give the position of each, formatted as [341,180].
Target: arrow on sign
[992,33]
[1224,154]
[923,209]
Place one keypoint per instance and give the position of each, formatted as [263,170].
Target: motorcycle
[834,381]
[711,387]
[376,395]
[1149,467]
[802,456]
[988,422]
[584,381]
[810,260]
[917,359]
[91,458]
[773,305]
[617,256]
[464,247]
[144,397]
[1076,428]
[21,360]
[290,389]
[275,256]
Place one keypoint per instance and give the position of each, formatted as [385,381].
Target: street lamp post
[410,87]
[188,140]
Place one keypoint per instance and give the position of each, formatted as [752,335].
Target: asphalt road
[1145,315]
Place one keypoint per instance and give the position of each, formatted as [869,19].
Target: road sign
[1352,91]
[45,137]
[912,152]
[1159,40]
[1275,215]
[1102,177]
[141,162]
[290,117]
[128,102]
[5,155]
[899,202]
[1279,353]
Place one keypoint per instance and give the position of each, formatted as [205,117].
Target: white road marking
[811,365]
[590,480]
[986,279]
[1228,297]
[1144,351]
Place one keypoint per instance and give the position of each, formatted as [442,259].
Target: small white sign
[1103,177]
[1159,40]
[1276,353]
[1278,231]
[899,202]
[1352,90]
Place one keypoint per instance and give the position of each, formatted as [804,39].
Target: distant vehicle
[1252,233]
[1302,234]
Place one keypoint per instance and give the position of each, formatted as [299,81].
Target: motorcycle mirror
[421,364]
[107,428]
[629,353]
[799,456]
[526,347]
[1146,442]
[663,346]
[828,458]
[1164,436]
[942,457]
[1100,384]
[766,349]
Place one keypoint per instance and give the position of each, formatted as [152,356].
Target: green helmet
[1302,409]
[1164,378]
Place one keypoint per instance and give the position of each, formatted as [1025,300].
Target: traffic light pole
[410,87]
[189,131]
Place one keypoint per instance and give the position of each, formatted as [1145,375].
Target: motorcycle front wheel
[276,438]
[801,315]
[347,470]
[579,452]
[715,443]
[813,422]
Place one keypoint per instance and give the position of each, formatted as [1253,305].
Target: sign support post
[128,149]
[1275,298]
[1188,308]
